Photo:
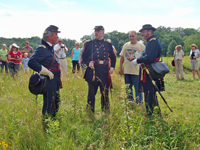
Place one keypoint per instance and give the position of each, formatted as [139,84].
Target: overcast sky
[76,18]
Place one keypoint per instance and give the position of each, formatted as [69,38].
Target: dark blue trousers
[92,90]
[51,98]
[150,101]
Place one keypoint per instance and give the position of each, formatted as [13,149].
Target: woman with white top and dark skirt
[194,60]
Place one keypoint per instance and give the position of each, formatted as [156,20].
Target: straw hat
[194,45]
[14,45]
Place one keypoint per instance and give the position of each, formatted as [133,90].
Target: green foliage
[171,48]
[165,35]
[194,38]
[126,127]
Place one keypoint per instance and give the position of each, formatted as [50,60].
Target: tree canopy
[166,35]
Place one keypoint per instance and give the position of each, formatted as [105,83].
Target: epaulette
[42,46]
[109,41]
[152,39]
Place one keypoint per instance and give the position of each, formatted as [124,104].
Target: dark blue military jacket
[151,54]
[99,50]
[43,55]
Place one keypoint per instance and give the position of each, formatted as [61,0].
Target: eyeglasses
[131,36]
[26,43]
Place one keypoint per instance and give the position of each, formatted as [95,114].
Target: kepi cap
[147,27]
[52,28]
[99,28]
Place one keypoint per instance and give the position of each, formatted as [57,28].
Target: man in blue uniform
[96,56]
[151,54]
[45,62]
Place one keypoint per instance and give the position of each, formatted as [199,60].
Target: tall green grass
[126,127]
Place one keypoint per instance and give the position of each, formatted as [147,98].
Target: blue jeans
[14,70]
[4,64]
[131,80]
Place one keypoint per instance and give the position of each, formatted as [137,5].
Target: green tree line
[169,38]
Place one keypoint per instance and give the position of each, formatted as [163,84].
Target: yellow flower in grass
[2,143]
[5,145]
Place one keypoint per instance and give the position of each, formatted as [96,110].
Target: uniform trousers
[179,67]
[51,98]
[92,90]
[150,101]
[63,66]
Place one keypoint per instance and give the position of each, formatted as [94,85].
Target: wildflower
[99,128]
[105,125]
[2,143]
[140,124]
[160,129]
[105,131]
[5,145]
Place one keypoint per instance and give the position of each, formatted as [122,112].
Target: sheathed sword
[153,82]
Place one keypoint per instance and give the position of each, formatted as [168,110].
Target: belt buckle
[100,61]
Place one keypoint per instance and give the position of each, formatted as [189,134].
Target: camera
[62,46]
[16,57]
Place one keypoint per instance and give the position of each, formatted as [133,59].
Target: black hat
[98,28]
[52,28]
[147,27]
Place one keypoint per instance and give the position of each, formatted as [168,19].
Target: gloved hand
[135,62]
[45,71]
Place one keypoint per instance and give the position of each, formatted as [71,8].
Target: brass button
[98,55]
[104,49]
[97,49]
[97,52]
[103,45]
[95,45]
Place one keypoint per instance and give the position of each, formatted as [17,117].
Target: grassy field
[126,127]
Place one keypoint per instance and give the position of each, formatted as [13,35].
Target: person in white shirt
[61,51]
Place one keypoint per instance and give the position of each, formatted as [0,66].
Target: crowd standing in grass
[194,60]
[178,56]
[94,55]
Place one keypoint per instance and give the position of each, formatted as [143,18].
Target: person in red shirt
[15,57]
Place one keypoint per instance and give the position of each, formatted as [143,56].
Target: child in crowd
[25,60]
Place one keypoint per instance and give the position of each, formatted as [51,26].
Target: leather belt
[101,62]
[61,58]
[56,67]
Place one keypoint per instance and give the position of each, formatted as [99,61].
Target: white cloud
[50,4]
[179,11]
[76,24]
[65,3]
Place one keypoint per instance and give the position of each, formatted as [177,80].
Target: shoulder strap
[52,61]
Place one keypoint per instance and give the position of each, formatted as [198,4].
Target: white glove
[137,55]
[45,71]
[135,62]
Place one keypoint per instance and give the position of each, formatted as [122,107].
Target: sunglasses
[131,36]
